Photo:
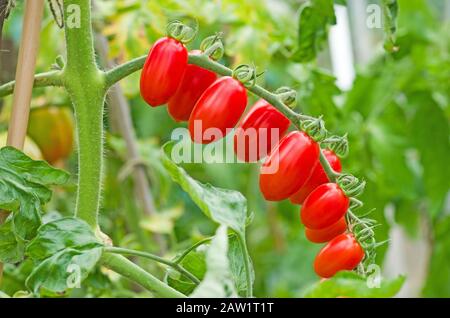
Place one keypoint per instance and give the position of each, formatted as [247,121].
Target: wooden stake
[26,65]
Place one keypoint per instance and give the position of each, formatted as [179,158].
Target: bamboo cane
[26,65]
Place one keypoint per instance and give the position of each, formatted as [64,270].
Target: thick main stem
[85,84]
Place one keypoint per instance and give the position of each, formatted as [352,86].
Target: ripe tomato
[195,81]
[259,131]
[52,130]
[163,70]
[288,166]
[341,253]
[324,206]
[317,178]
[328,233]
[218,110]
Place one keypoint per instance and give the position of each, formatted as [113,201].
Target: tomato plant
[135,203]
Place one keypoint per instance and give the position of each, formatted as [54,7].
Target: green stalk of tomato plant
[85,85]
[128,269]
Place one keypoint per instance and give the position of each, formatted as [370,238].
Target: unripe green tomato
[52,130]
[30,148]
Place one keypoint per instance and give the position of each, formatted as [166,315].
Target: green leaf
[317,89]
[218,281]
[315,18]
[23,190]
[62,271]
[57,235]
[11,251]
[438,279]
[237,266]
[388,146]
[195,263]
[66,251]
[430,131]
[390,12]
[349,284]
[223,206]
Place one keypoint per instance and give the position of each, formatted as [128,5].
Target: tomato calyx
[287,95]
[212,46]
[351,185]
[339,144]
[181,32]
[246,74]
[314,127]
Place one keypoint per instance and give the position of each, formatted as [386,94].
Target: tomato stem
[51,78]
[212,47]
[85,85]
[128,269]
[174,265]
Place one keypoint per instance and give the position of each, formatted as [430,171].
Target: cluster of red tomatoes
[291,170]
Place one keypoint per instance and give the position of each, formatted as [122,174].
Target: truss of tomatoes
[194,93]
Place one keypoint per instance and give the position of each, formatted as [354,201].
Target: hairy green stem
[121,71]
[128,269]
[85,84]
[52,78]
[174,265]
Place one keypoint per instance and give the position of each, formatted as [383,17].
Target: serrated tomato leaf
[64,270]
[23,190]
[350,284]
[57,235]
[223,206]
[65,251]
[11,251]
